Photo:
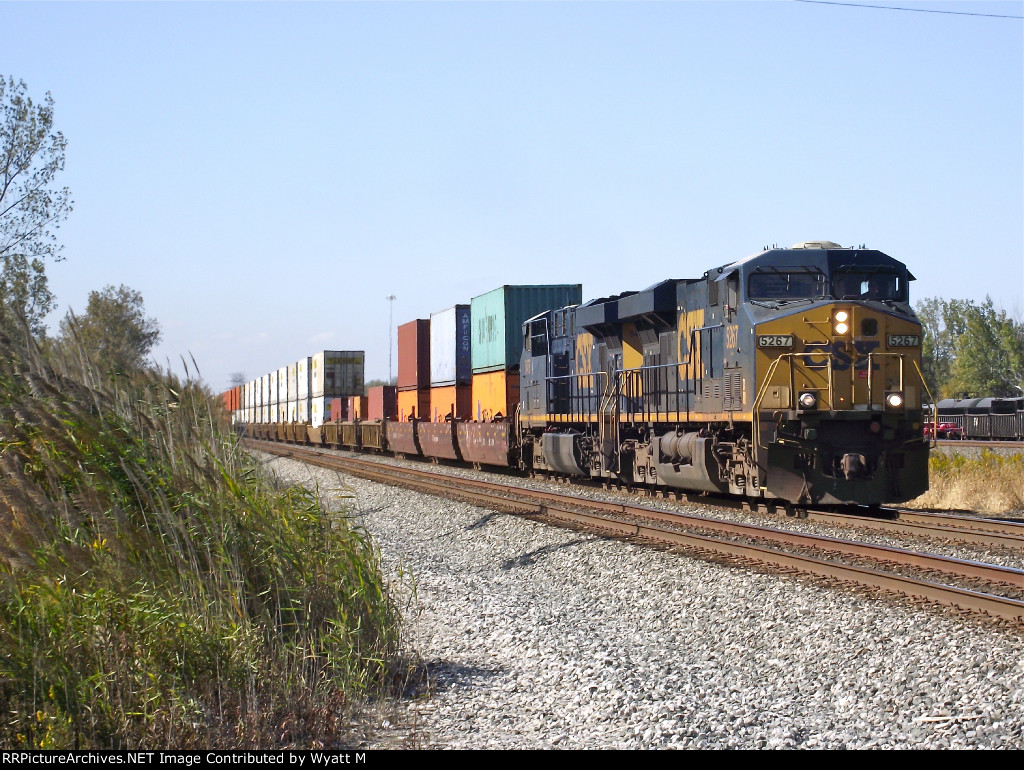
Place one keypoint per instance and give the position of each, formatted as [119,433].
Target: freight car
[981,419]
[793,374]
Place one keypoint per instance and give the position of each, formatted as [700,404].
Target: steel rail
[966,529]
[557,506]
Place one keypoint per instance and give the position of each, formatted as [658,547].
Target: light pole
[391,306]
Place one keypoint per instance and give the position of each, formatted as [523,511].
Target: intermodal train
[791,375]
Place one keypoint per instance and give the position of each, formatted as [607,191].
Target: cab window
[785,285]
[868,286]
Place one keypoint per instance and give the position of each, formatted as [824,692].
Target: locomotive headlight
[894,399]
[841,326]
[808,400]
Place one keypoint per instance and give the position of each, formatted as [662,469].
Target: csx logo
[841,356]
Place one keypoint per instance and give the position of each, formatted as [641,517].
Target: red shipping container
[382,403]
[339,409]
[414,355]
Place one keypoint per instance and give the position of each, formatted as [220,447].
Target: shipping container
[303,411]
[265,390]
[320,410]
[274,389]
[302,369]
[336,373]
[339,410]
[495,395]
[293,411]
[382,403]
[282,386]
[293,387]
[413,404]
[357,407]
[498,318]
[414,355]
[451,339]
[453,400]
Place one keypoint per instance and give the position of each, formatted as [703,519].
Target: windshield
[865,285]
[785,285]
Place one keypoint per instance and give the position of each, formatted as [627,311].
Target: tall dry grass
[156,588]
[990,483]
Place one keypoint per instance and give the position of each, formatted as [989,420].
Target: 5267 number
[775,340]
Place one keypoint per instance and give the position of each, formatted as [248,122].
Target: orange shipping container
[452,399]
[357,407]
[494,394]
[413,403]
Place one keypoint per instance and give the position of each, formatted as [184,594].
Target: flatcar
[791,375]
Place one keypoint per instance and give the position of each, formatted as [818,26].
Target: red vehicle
[943,430]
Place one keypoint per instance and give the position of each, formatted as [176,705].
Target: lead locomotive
[792,374]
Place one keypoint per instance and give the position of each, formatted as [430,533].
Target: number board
[904,340]
[775,340]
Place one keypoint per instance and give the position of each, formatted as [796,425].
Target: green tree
[114,329]
[989,354]
[31,208]
[943,322]
[970,348]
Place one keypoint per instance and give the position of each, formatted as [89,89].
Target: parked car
[943,430]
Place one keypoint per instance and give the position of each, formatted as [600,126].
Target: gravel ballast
[534,636]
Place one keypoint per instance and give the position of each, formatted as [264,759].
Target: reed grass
[989,482]
[157,589]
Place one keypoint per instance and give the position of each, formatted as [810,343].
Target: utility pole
[391,306]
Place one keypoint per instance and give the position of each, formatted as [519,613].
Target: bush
[157,588]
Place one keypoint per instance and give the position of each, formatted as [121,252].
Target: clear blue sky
[265,174]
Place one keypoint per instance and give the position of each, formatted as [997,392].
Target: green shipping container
[498,317]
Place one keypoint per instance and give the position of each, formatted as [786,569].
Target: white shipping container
[293,387]
[265,390]
[335,373]
[451,337]
[293,411]
[302,378]
[320,410]
[282,385]
[303,405]
[273,388]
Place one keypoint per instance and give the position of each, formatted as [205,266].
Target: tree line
[971,349]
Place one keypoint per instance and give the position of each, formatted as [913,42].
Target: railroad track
[968,585]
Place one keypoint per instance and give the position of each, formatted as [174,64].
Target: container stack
[414,370]
[302,405]
[498,317]
[282,395]
[451,364]
[332,374]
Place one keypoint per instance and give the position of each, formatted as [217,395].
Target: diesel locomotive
[793,374]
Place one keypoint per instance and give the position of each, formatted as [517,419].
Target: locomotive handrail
[756,421]
[638,371]
[935,411]
[580,398]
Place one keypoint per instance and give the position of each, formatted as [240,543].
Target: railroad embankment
[160,590]
[975,479]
